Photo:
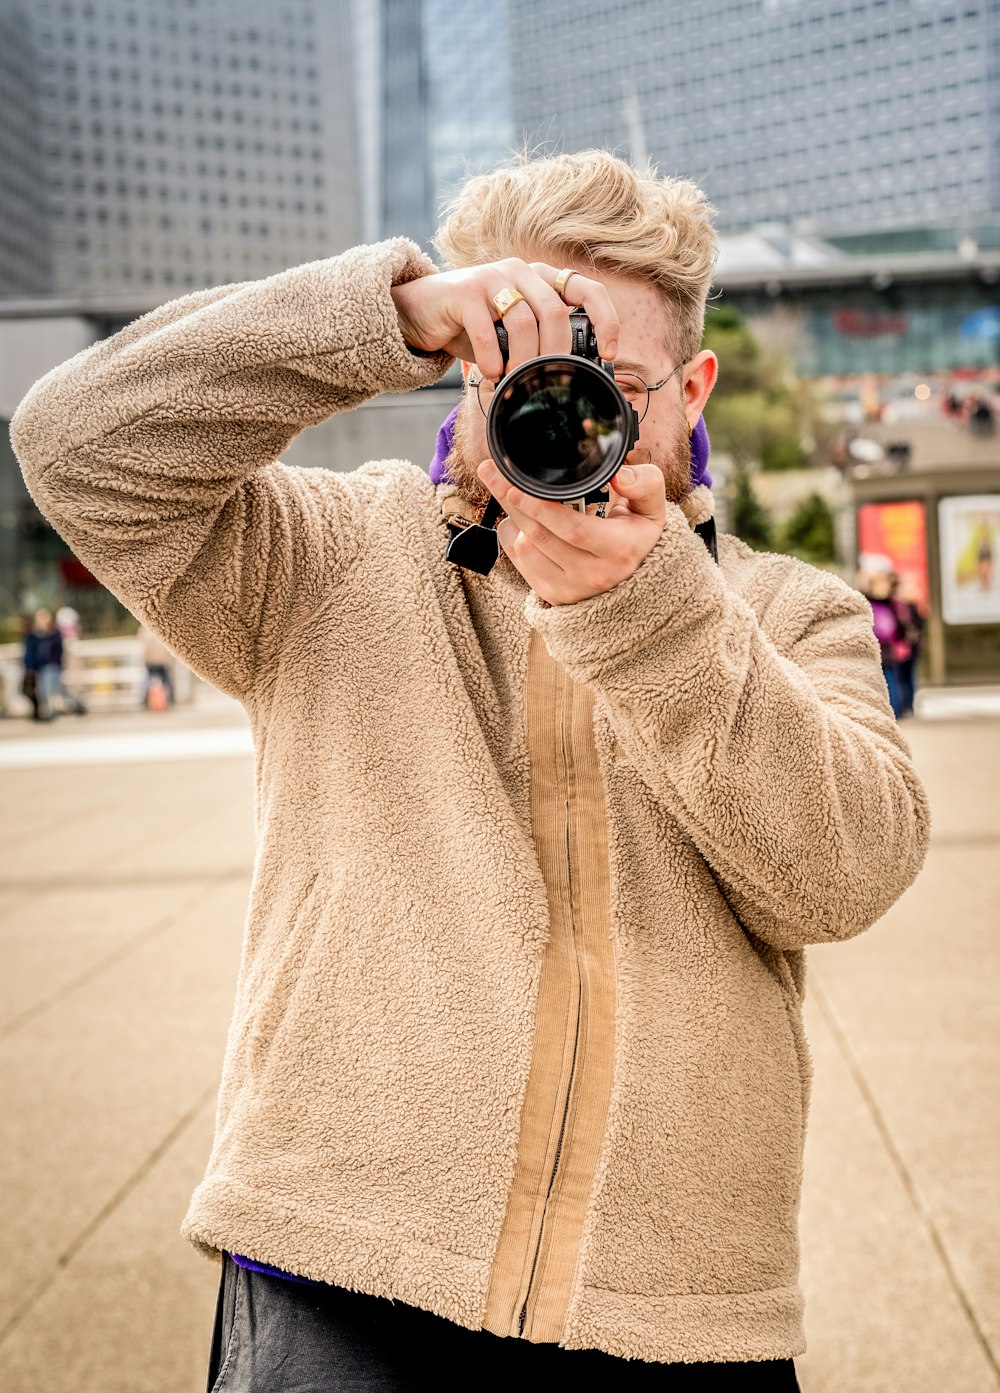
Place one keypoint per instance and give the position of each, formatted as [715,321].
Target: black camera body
[559,426]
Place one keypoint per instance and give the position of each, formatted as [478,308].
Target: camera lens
[559,427]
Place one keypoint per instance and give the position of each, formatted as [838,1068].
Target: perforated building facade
[847,115]
[192,142]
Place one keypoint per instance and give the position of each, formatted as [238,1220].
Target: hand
[567,556]
[454,311]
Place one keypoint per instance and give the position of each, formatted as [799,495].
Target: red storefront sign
[899,532]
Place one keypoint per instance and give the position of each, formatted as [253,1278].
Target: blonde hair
[596,208]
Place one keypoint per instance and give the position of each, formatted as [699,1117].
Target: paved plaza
[127,852]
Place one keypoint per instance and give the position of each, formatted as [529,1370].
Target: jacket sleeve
[154,453]
[785,768]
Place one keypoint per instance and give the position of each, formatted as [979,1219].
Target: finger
[617,502]
[550,310]
[483,343]
[563,553]
[542,518]
[643,486]
[534,564]
[522,333]
[592,296]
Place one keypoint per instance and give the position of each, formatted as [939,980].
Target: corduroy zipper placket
[578,987]
[566,1101]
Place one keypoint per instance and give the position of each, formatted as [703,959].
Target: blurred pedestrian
[29,680]
[159,663]
[906,602]
[43,656]
[68,624]
[877,588]
[952,405]
[980,417]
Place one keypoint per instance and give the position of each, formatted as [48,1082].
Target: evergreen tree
[810,532]
[748,519]
[758,412]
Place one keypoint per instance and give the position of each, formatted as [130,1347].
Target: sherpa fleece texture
[759,798]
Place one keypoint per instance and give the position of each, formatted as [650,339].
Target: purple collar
[700,451]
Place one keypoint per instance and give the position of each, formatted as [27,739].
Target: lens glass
[559,422]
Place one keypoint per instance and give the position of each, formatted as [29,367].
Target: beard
[463,461]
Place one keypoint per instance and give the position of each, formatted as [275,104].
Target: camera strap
[706,531]
[476,547]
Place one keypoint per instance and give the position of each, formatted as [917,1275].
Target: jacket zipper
[552,1180]
[523,1316]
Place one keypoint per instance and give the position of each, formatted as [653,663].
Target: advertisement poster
[897,532]
[970,558]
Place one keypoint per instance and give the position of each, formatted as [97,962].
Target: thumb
[643,487]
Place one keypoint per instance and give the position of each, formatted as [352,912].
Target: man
[517,1038]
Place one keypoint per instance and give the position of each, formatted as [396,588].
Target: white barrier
[105,673]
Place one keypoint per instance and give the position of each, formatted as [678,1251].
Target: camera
[559,426]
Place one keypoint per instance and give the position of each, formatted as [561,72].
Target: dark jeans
[891,674]
[273,1336]
[906,682]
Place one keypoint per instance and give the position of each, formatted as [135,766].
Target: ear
[700,377]
[466,369]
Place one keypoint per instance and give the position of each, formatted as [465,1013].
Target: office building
[25,267]
[433,92]
[187,143]
[847,116]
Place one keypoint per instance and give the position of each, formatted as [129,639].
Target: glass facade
[913,327]
[407,199]
[828,116]
[468,66]
[25,267]
[185,144]
[441,109]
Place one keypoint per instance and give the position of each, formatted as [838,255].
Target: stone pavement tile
[129,807]
[58,923]
[915,1000]
[10,900]
[132,1309]
[959,764]
[30,810]
[215,839]
[59,936]
[881,1313]
[95,1086]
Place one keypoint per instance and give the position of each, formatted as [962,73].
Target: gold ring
[505,300]
[562,280]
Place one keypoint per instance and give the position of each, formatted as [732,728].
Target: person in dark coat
[912,623]
[29,681]
[43,660]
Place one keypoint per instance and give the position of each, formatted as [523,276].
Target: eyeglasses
[633,389]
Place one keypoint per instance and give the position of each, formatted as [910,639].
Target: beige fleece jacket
[745,781]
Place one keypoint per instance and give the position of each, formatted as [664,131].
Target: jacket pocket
[277,970]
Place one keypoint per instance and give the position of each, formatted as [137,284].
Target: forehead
[647,330]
